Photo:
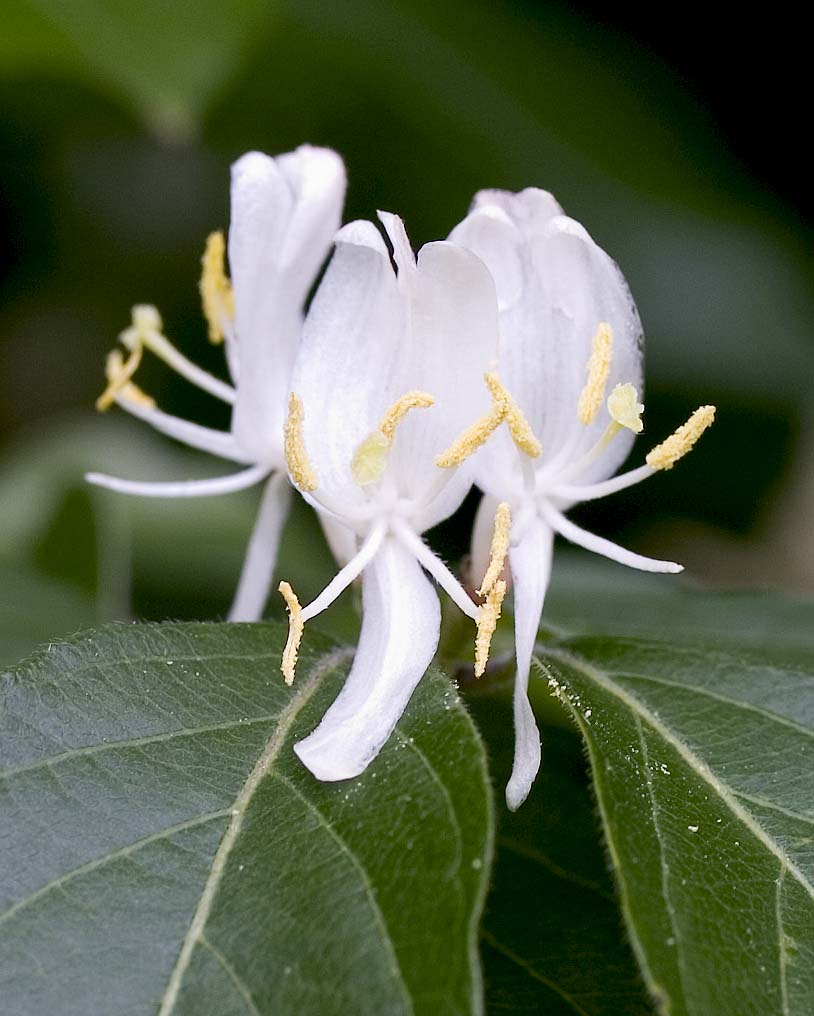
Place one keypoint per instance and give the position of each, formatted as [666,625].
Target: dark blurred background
[675,136]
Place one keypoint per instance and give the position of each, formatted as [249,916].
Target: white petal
[216,442]
[316,177]
[453,313]
[530,562]
[402,248]
[400,629]
[568,286]
[261,555]
[579,287]
[531,208]
[351,345]
[285,212]
[489,232]
[370,338]
[182,488]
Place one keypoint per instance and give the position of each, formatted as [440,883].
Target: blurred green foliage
[118,125]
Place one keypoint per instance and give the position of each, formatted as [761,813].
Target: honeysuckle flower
[570,335]
[388,371]
[284,214]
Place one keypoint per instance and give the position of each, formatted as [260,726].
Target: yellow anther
[217,297]
[625,409]
[493,587]
[295,627]
[118,373]
[665,455]
[590,400]
[488,617]
[370,457]
[521,431]
[396,413]
[296,458]
[503,408]
[499,548]
[472,438]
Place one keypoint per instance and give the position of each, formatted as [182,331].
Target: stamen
[665,455]
[590,399]
[146,330]
[396,413]
[295,627]
[118,374]
[472,438]
[499,548]
[488,617]
[625,408]
[296,458]
[370,457]
[519,426]
[493,588]
[217,296]
[503,408]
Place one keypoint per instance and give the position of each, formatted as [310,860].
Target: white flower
[565,310]
[389,369]
[285,213]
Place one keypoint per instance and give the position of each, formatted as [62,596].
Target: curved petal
[530,562]
[580,287]
[285,212]
[400,629]
[261,555]
[568,287]
[348,359]
[531,208]
[370,338]
[454,333]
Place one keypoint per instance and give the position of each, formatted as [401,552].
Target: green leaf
[553,936]
[703,763]
[34,609]
[168,60]
[635,603]
[165,851]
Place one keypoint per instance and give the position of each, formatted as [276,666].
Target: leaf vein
[99,862]
[527,968]
[135,742]
[232,974]
[718,697]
